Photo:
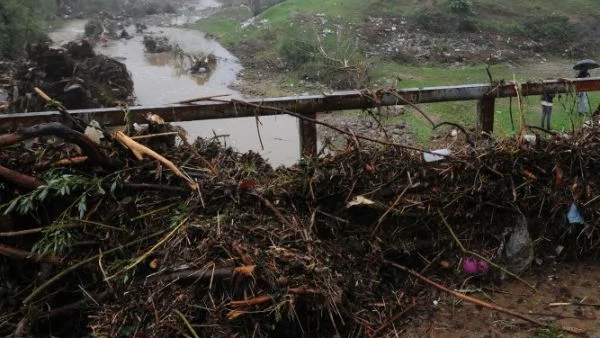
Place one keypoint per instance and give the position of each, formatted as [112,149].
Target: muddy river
[159,79]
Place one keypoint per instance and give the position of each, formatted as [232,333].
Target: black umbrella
[586,64]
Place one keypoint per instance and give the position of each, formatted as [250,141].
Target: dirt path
[451,318]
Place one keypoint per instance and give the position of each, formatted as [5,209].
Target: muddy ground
[441,315]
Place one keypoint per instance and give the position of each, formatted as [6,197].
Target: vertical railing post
[485,114]
[308,136]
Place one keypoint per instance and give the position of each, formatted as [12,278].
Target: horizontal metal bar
[308,104]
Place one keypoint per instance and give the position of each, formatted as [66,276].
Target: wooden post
[485,114]
[308,136]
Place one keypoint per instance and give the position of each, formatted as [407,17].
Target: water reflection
[179,65]
[161,79]
[159,59]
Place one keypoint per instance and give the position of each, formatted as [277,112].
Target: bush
[552,27]
[445,20]
[297,52]
[21,22]
[460,7]
[335,61]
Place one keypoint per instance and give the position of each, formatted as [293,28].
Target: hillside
[300,46]
[419,31]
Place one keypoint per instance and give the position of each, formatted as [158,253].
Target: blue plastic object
[574,216]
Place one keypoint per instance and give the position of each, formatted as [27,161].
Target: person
[583,103]
[546,109]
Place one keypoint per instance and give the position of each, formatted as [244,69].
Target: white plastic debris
[359,200]
[530,138]
[436,155]
[93,132]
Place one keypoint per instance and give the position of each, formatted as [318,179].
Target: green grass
[464,112]
[286,20]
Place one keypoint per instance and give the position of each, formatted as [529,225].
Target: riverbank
[200,239]
[399,54]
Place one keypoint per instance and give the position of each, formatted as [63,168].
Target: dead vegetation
[137,237]
[74,75]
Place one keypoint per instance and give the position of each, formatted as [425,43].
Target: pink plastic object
[482,266]
[469,265]
[474,266]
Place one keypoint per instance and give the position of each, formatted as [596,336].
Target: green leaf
[11,206]
[82,206]
[43,193]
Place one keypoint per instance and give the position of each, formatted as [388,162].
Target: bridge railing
[310,105]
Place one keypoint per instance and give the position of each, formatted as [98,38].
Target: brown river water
[159,79]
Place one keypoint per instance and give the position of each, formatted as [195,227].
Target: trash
[574,216]
[530,138]
[519,247]
[436,155]
[359,200]
[473,266]
[94,132]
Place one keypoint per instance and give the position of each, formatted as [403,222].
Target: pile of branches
[74,75]
[115,239]
[157,44]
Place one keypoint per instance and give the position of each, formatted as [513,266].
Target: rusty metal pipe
[342,100]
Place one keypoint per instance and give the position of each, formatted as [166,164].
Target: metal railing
[310,105]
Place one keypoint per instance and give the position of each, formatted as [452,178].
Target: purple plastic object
[469,265]
[482,266]
[474,266]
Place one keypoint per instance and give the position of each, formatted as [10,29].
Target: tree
[255,6]
[21,22]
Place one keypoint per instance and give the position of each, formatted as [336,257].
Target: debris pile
[202,63]
[157,44]
[74,75]
[137,237]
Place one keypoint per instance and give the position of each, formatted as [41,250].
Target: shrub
[444,19]
[554,27]
[461,7]
[335,61]
[20,23]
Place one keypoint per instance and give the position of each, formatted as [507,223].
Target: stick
[394,318]
[85,303]
[479,302]
[21,233]
[72,160]
[21,180]
[11,252]
[139,150]
[300,116]
[63,111]
[141,137]
[74,267]
[201,98]
[251,301]
[573,304]
[60,130]
[473,253]
[276,211]
[201,274]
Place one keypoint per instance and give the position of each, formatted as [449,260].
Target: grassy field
[564,117]
[278,24]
